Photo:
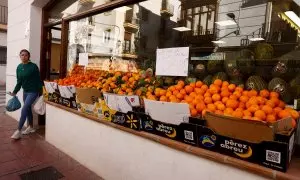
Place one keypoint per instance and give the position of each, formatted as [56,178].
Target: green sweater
[28,77]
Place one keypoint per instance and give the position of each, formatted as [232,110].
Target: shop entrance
[51,69]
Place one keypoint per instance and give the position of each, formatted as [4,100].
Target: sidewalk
[33,153]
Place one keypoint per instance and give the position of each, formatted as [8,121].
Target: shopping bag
[40,106]
[13,104]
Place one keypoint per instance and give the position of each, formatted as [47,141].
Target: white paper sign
[121,103]
[67,91]
[172,113]
[172,61]
[83,59]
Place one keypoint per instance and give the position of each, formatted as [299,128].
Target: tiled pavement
[34,153]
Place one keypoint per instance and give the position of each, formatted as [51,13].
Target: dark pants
[28,98]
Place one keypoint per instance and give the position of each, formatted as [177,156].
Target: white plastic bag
[40,106]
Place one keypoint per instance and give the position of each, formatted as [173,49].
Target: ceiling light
[256,39]
[182,29]
[294,17]
[123,9]
[219,42]
[226,23]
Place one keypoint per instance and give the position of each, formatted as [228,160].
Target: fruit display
[226,99]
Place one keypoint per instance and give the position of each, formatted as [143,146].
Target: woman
[28,78]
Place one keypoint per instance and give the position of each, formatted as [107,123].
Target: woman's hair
[25,50]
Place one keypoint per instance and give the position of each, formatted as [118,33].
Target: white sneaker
[17,135]
[28,130]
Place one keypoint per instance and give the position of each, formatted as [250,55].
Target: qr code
[273,156]
[189,135]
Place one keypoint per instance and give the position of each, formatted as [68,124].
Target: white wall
[24,32]
[116,155]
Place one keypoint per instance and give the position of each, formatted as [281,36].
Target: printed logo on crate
[130,120]
[189,133]
[208,140]
[159,128]
[68,96]
[238,148]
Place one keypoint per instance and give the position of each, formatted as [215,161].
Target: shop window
[200,19]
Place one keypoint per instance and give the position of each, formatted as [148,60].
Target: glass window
[64,8]
[233,45]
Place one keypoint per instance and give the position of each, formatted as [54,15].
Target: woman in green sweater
[28,78]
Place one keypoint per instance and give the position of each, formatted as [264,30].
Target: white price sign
[172,61]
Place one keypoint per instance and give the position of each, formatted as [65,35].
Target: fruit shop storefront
[174,89]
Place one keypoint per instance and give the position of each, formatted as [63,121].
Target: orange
[211,107]
[163,98]
[182,91]
[270,103]
[208,100]
[255,119]
[157,92]
[204,87]
[207,94]
[218,82]
[284,114]
[180,96]
[238,114]
[175,100]
[200,107]
[232,104]
[176,92]
[193,94]
[267,109]
[237,94]
[193,85]
[195,102]
[189,89]
[294,114]
[242,105]
[271,118]
[253,108]
[172,88]
[204,112]
[218,102]
[247,113]
[252,93]
[221,107]
[225,93]
[274,95]
[245,93]
[180,82]
[188,99]
[178,87]
[168,94]
[228,111]
[234,97]
[225,84]
[261,100]
[172,97]
[277,110]
[214,90]
[281,104]
[275,100]
[198,91]
[219,112]
[216,97]
[224,100]
[231,87]
[239,89]
[162,92]
[239,109]
[194,112]
[260,114]
[253,101]
[199,84]
[244,99]
[294,123]
[264,93]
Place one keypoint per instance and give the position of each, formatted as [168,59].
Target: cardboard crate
[68,96]
[87,100]
[118,109]
[252,141]
[52,92]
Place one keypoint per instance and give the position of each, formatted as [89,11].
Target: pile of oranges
[226,99]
